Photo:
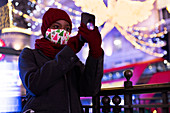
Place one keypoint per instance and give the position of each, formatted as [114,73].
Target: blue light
[28,11]
[29,3]
[32,5]
[10,100]
[16,3]
[162,36]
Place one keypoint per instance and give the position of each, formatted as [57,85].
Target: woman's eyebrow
[61,24]
[67,24]
[57,23]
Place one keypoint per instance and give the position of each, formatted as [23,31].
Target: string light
[129,38]
[146,39]
[21,30]
[149,28]
[26,16]
[148,42]
[137,33]
[136,30]
[59,5]
[40,20]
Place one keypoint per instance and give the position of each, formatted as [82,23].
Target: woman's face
[61,24]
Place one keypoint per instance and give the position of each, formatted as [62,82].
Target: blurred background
[135,34]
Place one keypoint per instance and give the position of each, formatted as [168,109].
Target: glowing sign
[10,100]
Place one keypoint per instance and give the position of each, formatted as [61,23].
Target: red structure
[2,44]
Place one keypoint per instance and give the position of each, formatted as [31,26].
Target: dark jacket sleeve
[38,79]
[90,81]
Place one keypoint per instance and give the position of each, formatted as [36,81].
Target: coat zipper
[68,94]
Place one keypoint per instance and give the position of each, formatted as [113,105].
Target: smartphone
[89,20]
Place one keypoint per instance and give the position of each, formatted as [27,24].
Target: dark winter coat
[55,86]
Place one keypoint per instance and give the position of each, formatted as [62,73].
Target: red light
[2,44]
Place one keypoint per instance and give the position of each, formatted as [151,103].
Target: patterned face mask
[58,36]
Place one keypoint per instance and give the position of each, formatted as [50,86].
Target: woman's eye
[56,27]
[67,29]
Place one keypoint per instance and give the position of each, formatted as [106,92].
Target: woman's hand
[93,37]
[75,44]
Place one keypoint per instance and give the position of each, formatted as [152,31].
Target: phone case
[86,17]
[89,21]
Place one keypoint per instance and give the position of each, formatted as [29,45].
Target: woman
[52,74]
